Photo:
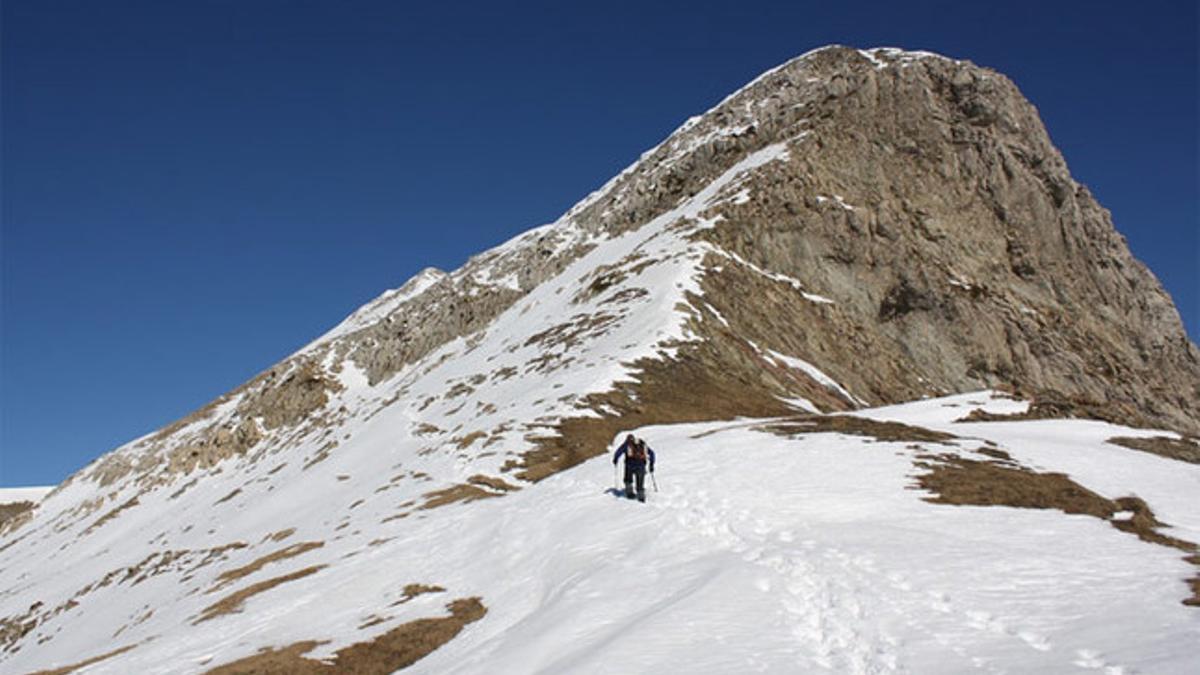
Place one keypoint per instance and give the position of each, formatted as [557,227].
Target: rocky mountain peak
[900,219]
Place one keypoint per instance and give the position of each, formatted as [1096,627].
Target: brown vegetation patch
[1182,449]
[398,648]
[492,482]
[321,455]
[706,381]
[111,515]
[281,535]
[605,277]
[504,373]
[83,664]
[373,620]
[14,628]
[461,492]
[625,296]
[464,442]
[856,426]
[229,576]
[960,481]
[413,590]
[572,333]
[233,602]
[426,429]
[13,510]
[995,454]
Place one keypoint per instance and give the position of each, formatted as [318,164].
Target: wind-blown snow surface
[758,553]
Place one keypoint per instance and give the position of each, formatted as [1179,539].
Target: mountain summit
[851,230]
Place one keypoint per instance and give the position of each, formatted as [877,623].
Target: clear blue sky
[193,190]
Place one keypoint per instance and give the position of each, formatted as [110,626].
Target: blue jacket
[636,463]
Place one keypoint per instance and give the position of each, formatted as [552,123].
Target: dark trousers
[635,472]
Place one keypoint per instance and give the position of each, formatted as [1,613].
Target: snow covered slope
[428,471]
[765,549]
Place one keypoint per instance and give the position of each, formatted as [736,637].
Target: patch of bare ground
[413,590]
[396,649]
[111,515]
[426,429]
[492,483]
[465,441]
[83,664]
[280,535]
[229,576]
[233,602]
[460,492]
[707,381]
[1183,449]
[321,455]
[12,511]
[14,628]
[967,482]
[855,426]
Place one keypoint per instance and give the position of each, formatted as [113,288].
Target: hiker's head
[630,439]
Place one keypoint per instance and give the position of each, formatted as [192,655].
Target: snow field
[759,554]
[763,554]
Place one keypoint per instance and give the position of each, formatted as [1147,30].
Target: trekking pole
[653,482]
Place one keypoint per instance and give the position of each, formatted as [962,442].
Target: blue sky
[193,190]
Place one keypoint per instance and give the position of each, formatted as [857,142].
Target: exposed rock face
[930,205]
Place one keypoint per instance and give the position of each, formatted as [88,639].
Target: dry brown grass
[229,576]
[413,590]
[83,664]
[14,628]
[10,512]
[233,602]
[461,492]
[492,482]
[856,426]
[280,535]
[692,387]
[396,649]
[464,442]
[1184,450]
[111,515]
[960,481]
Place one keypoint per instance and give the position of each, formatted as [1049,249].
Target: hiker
[636,454]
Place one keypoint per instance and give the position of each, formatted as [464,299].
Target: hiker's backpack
[637,451]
